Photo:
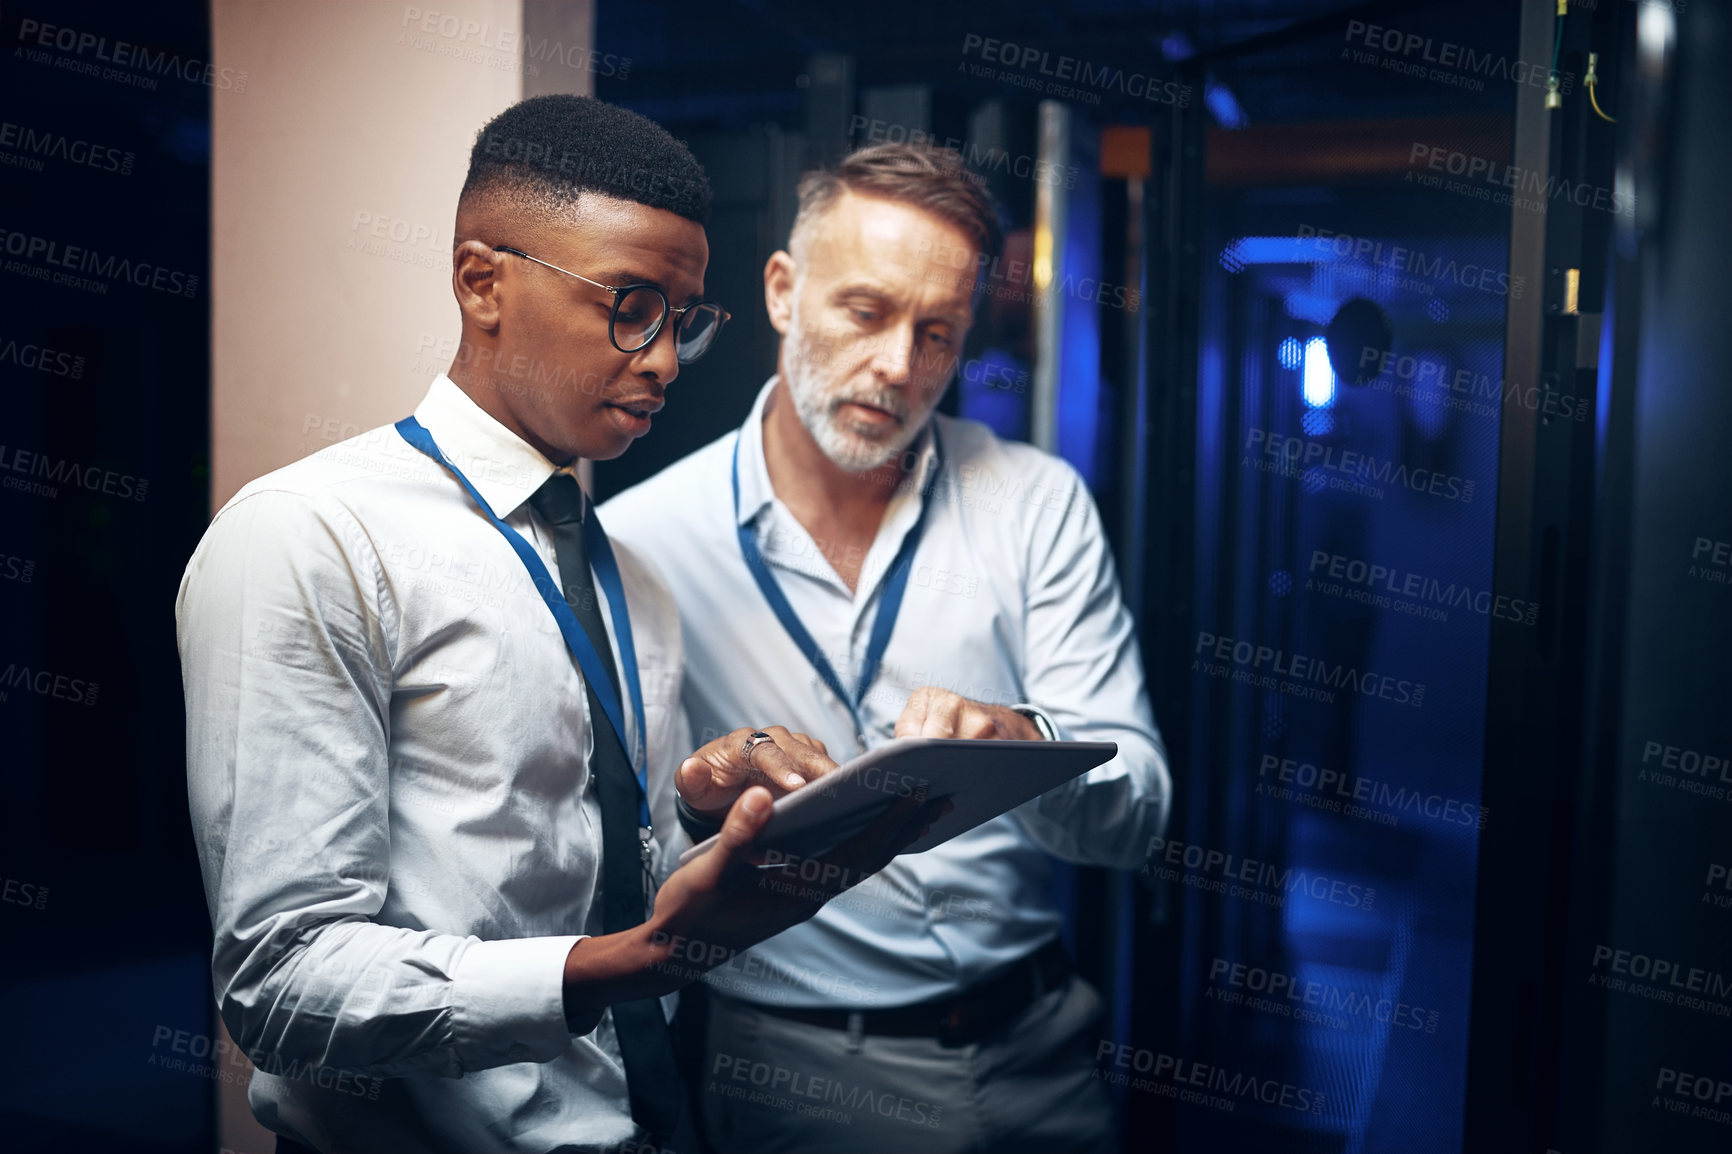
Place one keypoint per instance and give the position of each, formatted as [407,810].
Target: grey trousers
[770,1085]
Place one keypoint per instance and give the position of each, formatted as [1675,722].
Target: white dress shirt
[388,759]
[1012,599]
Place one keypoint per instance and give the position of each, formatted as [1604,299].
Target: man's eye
[865,316]
[942,340]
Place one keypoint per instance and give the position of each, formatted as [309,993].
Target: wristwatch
[1048,731]
[697,826]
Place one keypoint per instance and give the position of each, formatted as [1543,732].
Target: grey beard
[848,450]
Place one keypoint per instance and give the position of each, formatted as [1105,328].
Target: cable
[1590,81]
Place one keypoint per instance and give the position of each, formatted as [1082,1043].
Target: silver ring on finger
[755,739]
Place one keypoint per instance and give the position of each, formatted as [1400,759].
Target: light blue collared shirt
[1013,598]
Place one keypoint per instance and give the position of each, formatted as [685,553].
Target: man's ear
[779,290]
[475,282]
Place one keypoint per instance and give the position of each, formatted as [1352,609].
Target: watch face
[1040,723]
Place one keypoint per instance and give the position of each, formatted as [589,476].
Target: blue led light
[1290,353]
[1319,382]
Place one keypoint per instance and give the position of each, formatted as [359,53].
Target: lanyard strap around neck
[602,560]
[889,599]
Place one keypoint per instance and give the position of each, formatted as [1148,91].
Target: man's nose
[893,355]
[658,360]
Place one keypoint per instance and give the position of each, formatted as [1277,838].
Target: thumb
[745,821]
[692,779]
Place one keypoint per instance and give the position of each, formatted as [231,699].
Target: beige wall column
[334,184]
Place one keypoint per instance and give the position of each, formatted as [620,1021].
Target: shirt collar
[756,492]
[504,468]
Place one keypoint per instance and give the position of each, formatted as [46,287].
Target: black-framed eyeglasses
[640,310]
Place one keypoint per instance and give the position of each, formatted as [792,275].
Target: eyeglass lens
[638,316]
[697,331]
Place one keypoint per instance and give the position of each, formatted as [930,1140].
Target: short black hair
[549,150]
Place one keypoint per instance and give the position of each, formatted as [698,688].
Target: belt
[975,1014]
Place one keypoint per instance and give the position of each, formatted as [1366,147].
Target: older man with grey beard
[926,579]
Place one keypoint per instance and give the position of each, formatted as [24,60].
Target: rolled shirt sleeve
[286,641]
[1084,671]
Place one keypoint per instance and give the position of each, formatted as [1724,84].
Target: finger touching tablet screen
[981,778]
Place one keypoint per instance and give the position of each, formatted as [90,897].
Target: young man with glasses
[430,781]
[853,562]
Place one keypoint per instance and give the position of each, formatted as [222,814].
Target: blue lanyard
[576,640]
[889,600]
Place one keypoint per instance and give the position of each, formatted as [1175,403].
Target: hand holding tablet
[981,778]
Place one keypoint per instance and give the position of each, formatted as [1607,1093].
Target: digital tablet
[982,778]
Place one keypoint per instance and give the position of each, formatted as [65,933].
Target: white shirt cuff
[509,1002]
[1048,730]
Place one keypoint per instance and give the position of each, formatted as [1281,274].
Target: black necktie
[651,1077]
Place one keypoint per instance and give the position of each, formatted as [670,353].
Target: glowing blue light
[1319,382]
[1290,353]
[1220,101]
[1287,250]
